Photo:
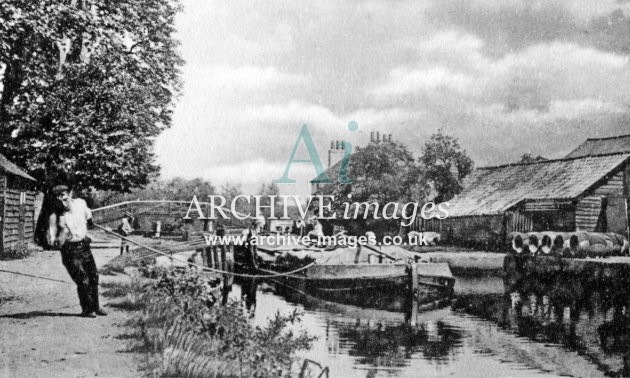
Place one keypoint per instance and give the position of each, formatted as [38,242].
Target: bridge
[170,216]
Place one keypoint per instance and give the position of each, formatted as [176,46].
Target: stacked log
[578,244]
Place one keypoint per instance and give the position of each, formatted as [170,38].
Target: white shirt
[74,221]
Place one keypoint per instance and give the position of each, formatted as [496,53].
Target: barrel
[519,242]
[534,244]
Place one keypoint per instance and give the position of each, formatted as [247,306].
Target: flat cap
[60,189]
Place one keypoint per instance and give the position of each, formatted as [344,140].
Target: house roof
[13,169]
[332,172]
[602,146]
[492,190]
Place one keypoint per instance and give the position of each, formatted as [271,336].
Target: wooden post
[204,256]
[210,256]
[217,257]
[413,291]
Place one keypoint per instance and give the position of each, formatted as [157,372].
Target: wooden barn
[588,190]
[17,207]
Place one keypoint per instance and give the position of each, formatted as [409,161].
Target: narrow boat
[387,278]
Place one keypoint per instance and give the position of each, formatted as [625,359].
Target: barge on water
[388,278]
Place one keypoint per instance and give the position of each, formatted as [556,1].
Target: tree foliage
[86,86]
[445,165]
[381,173]
[528,158]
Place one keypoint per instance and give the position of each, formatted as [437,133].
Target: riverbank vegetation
[185,332]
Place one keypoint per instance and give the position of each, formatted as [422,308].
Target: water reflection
[584,315]
[517,325]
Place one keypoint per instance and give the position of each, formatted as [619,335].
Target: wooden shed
[585,193]
[17,207]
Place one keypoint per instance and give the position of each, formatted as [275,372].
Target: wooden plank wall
[482,231]
[612,188]
[11,219]
[518,221]
[589,209]
[587,213]
[1,216]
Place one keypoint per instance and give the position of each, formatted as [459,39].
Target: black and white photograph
[314,189]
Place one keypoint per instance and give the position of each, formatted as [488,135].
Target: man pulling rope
[76,254]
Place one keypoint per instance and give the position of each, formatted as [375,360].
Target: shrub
[189,334]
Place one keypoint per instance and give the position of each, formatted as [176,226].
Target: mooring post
[210,256]
[217,257]
[413,291]
[204,258]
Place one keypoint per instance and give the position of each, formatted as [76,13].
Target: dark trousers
[79,262]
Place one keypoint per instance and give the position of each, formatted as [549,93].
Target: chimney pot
[337,145]
[332,144]
[378,136]
[372,138]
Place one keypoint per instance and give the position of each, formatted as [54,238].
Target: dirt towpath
[40,332]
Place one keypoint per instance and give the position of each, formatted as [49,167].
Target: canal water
[525,327]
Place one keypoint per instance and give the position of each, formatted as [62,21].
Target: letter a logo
[305,135]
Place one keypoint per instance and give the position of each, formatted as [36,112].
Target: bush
[189,334]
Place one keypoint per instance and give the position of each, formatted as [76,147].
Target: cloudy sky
[505,76]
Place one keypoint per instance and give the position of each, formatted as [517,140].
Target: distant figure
[294,228]
[301,227]
[125,229]
[253,231]
[76,254]
[318,230]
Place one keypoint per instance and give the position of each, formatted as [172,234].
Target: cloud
[405,81]
[505,76]
[293,112]
[529,79]
[249,78]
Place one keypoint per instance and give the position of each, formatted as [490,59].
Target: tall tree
[86,87]
[381,173]
[445,165]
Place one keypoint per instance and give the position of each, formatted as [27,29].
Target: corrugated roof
[492,190]
[602,146]
[13,169]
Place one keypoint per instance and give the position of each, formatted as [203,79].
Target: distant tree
[528,158]
[382,173]
[85,88]
[229,192]
[267,190]
[445,165]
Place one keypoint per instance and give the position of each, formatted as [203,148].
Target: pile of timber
[577,244]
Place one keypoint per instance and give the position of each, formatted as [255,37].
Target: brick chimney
[377,137]
[335,153]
